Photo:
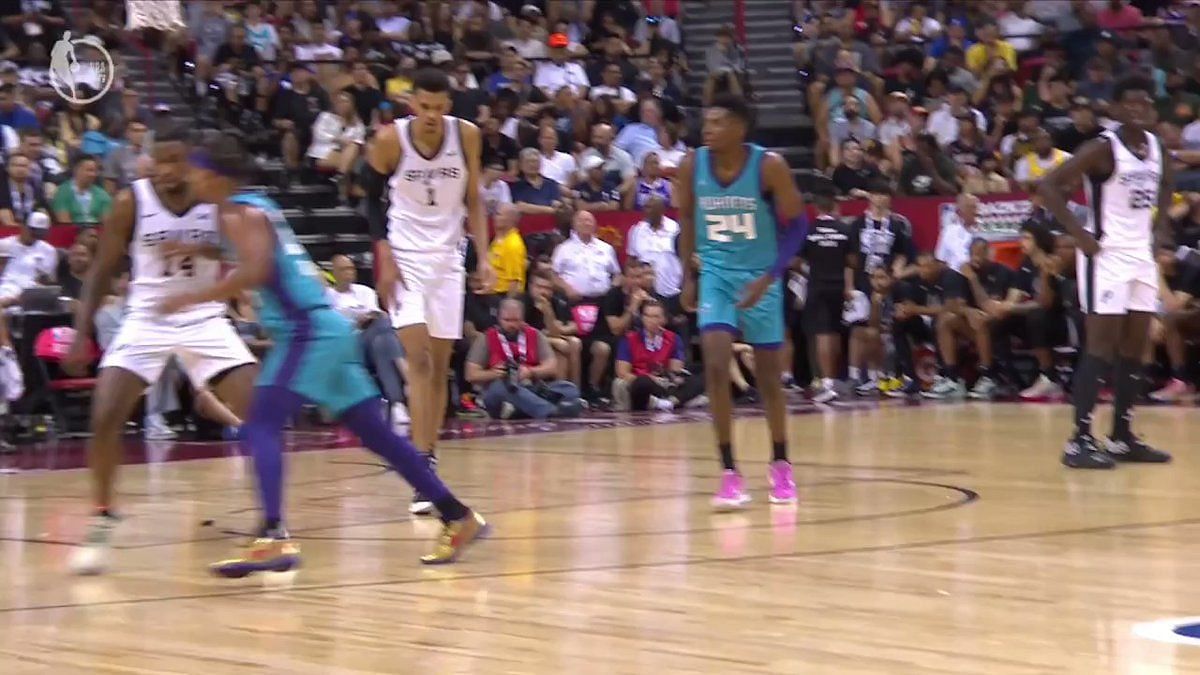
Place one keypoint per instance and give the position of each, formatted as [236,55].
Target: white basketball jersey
[427,208]
[1122,206]
[154,276]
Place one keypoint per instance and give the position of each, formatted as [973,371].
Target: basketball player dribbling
[728,194]
[316,358]
[1126,176]
[427,167]
[173,242]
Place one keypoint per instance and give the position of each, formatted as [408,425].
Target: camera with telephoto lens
[511,375]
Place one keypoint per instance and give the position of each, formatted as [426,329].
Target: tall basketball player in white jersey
[1127,176]
[427,168]
[174,245]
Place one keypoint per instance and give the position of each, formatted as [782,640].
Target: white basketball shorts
[1117,282]
[205,349]
[432,293]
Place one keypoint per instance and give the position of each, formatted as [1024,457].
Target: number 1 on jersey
[721,228]
[431,194]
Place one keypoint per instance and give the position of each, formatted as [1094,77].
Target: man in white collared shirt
[954,241]
[585,269]
[585,266]
[558,72]
[653,241]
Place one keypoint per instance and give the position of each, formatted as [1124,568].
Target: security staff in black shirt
[884,238]
[920,302]
[831,251]
[986,281]
[1031,313]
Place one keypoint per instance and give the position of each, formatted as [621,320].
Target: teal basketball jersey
[294,291]
[735,226]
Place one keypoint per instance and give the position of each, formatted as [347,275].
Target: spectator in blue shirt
[13,114]
[533,192]
[642,137]
[511,71]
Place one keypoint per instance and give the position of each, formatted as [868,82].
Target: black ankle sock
[1126,381]
[950,371]
[726,450]
[985,371]
[1086,389]
[1050,374]
[779,451]
[451,509]
[271,527]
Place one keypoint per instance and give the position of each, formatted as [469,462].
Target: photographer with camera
[650,370]
[515,366]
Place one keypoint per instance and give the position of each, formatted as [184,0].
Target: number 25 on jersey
[722,228]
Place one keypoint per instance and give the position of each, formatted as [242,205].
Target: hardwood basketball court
[931,539]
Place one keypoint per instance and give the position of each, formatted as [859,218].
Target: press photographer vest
[524,350]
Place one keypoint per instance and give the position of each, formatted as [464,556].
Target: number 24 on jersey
[722,228]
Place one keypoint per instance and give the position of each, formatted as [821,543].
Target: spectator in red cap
[558,72]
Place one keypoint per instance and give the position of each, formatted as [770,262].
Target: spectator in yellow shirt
[981,54]
[507,253]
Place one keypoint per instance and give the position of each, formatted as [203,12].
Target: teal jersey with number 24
[737,241]
[735,225]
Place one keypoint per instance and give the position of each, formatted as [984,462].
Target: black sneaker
[1083,453]
[748,397]
[422,505]
[1133,449]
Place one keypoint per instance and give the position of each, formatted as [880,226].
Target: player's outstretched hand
[687,296]
[755,290]
[174,303]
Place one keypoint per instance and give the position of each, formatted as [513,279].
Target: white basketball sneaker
[91,556]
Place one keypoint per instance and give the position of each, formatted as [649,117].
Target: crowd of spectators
[949,98]
[310,81]
[582,107]
[943,96]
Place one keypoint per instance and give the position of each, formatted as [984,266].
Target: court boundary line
[703,560]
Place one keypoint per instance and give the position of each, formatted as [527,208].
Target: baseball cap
[38,221]
[558,40]
[593,162]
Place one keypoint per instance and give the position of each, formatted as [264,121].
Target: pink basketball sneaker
[783,488]
[732,494]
